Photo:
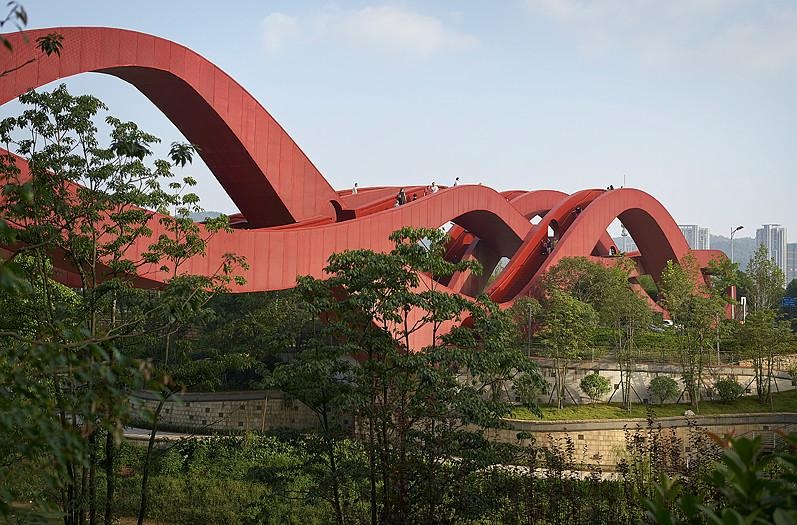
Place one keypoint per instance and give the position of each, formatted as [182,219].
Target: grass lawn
[781,402]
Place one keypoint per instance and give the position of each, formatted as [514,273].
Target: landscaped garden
[420,451]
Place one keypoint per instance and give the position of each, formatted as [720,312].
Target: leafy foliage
[749,492]
[420,411]
[74,206]
[728,388]
[663,388]
[761,339]
[695,313]
[766,281]
[622,313]
[595,386]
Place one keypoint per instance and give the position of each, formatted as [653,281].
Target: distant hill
[743,247]
[201,216]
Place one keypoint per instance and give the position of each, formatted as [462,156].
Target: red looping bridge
[292,220]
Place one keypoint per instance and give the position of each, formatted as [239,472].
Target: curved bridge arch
[262,169]
[650,225]
[297,220]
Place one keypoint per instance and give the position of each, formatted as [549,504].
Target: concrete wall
[603,441]
[640,379]
[227,412]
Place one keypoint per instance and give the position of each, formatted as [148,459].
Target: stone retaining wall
[227,412]
[599,441]
[640,380]
[603,441]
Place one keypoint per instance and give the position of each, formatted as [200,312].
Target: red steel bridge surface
[292,220]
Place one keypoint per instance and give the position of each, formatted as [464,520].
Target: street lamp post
[733,304]
[733,231]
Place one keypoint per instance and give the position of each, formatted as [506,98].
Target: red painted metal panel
[220,94]
[145,53]
[162,54]
[287,200]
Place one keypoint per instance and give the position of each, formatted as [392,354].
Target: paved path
[142,434]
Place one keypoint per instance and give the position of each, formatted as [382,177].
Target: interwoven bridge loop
[292,220]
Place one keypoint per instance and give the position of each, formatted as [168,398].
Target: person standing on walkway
[433,188]
[354,189]
[456,182]
[401,197]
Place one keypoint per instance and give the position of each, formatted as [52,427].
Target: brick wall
[227,412]
[605,438]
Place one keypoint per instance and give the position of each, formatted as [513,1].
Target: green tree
[322,376]
[595,386]
[728,388]
[762,338]
[622,311]
[83,204]
[663,388]
[48,45]
[567,331]
[722,274]
[695,313]
[766,281]
[420,411]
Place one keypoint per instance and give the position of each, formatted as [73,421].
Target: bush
[595,386]
[663,388]
[749,487]
[728,389]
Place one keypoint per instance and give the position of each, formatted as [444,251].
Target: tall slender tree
[766,281]
[695,312]
[420,411]
[77,205]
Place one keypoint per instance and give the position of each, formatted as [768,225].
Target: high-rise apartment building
[703,239]
[698,238]
[791,262]
[773,236]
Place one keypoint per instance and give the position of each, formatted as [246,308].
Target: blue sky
[692,100]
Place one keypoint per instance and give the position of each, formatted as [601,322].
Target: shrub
[663,388]
[750,487]
[728,389]
[595,386]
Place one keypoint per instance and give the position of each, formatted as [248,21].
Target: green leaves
[76,206]
[182,154]
[663,388]
[17,16]
[595,386]
[421,410]
[751,488]
[568,326]
[50,44]
[766,280]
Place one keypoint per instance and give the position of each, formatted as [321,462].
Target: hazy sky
[691,100]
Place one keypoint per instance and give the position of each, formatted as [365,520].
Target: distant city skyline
[698,238]
[689,101]
[744,246]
